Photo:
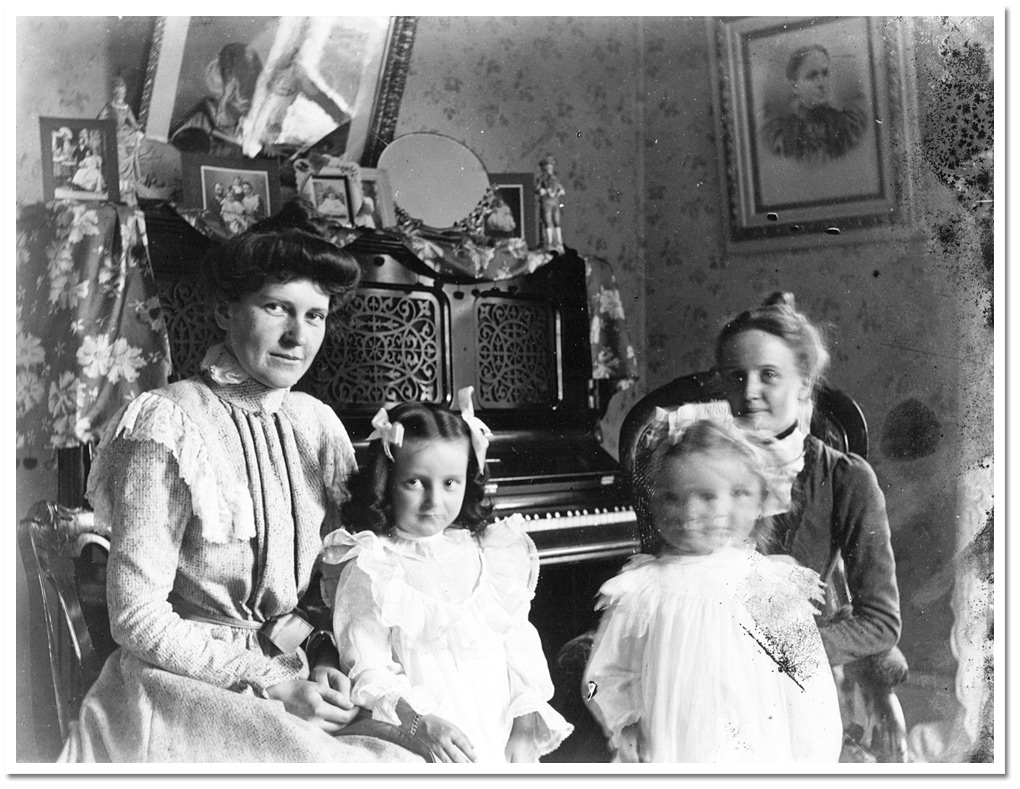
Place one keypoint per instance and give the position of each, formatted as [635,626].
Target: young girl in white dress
[430,608]
[708,651]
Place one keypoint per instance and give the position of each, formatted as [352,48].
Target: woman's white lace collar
[223,366]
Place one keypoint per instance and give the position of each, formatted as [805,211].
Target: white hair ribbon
[480,432]
[678,420]
[779,473]
[391,433]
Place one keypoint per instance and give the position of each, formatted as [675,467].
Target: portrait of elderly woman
[812,127]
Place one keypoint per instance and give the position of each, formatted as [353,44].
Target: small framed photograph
[79,157]
[333,197]
[515,214]
[811,124]
[239,191]
[376,209]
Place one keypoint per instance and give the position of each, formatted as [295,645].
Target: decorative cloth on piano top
[90,332]
[463,252]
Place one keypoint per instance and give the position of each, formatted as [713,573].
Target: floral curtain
[90,333]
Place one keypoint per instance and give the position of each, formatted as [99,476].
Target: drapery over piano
[523,342]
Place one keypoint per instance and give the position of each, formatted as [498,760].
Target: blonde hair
[779,316]
[704,437]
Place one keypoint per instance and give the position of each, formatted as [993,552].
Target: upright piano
[415,334]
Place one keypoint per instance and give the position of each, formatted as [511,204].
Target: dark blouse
[839,512]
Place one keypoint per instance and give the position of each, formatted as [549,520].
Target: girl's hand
[520,747]
[319,701]
[632,745]
[446,741]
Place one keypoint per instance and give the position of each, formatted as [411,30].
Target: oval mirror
[434,178]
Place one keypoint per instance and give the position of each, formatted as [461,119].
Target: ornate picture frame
[375,186]
[198,63]
[812,125]
[517,190]
[333,197]
[79,159]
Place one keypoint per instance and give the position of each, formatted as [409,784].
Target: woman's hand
[322,701]
[632,745]
[521,747]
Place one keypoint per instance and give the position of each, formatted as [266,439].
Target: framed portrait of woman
[243,85]
[811,117]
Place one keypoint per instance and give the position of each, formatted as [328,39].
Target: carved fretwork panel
[517,353]
[189,324]
[393,349]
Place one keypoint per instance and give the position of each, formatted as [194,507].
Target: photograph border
[384,209]
[750,227]
[528,207]
[191,169]
[111,169]
[349,194]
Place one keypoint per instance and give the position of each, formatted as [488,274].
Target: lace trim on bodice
[509,572]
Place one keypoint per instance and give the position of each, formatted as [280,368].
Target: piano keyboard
[573,519]
[578,535]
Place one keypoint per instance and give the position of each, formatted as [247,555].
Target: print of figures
[239,198]
[78,163]
[550,193]
[812,128]
[250,85]
[330,195]
[500,221]
[213,125]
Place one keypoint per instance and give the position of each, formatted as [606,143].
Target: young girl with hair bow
[431,604]
[707,650]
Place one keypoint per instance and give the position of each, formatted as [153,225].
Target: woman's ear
[222,315]
[807,388]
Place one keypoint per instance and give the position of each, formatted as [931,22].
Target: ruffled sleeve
[512,560]
[612,680]
[219,500]
[360,563]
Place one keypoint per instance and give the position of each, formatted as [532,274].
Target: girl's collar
[422,538]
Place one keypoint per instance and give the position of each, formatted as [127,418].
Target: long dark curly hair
[369,506]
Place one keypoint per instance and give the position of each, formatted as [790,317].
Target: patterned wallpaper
[626,105]
[514,88]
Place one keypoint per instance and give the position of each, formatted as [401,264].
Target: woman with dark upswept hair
[217,490]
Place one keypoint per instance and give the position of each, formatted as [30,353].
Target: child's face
[427,484]
[704,502]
